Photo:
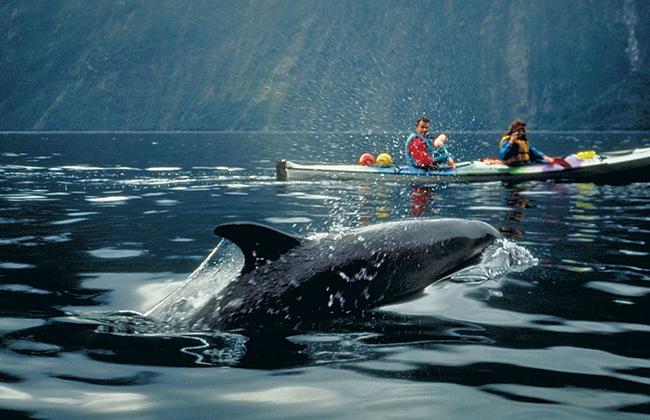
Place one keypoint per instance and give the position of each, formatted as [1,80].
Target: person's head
[518,127]
[422,126]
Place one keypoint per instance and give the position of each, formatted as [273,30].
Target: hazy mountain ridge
[316,65]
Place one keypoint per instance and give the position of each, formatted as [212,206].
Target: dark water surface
[91,224]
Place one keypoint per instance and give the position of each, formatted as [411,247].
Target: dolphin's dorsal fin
[258,242]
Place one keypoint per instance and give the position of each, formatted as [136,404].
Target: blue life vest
[441,154]
[411,137]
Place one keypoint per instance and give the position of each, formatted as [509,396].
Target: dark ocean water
[92,224]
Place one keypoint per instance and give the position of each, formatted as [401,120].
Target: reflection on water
[421,200]
[87,237]
[518,202]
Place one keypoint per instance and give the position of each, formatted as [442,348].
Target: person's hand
[440,140]
[452,164]
[517,135]
[558,161]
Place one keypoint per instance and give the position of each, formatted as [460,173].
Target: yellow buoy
[384,159]
[587,154]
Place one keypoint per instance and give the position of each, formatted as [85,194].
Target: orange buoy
[366,159]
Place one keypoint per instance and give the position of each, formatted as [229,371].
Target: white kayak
[616,167]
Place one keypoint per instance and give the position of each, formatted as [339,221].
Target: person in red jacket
[423,152]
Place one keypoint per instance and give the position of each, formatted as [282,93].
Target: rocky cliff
[333,65]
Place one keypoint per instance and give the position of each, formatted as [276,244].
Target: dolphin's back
[414,254]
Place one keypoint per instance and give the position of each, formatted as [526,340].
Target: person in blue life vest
[515,150]
[425,153]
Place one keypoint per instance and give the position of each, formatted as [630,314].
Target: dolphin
[287,280]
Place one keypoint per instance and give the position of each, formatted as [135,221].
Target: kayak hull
[619,167]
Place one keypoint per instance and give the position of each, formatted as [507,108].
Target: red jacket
[418,150]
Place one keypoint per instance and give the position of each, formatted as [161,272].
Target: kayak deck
[622,166]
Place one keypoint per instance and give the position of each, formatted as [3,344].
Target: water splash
[229,349]
[335,348]
[214,348]
[215,272]
[502,257]
[120,323]
[633,52]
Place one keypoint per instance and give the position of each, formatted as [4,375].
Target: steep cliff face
[322,65]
